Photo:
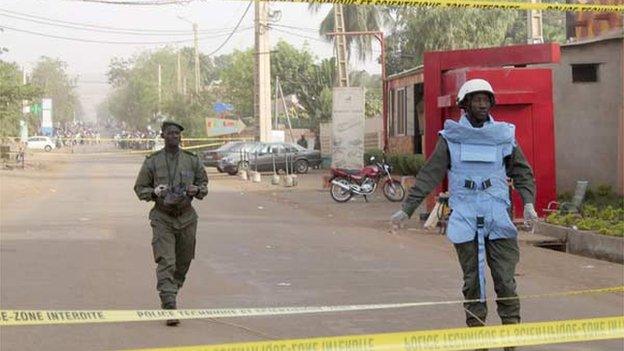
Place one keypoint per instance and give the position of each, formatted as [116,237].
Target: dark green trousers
[173,248]
[502,258]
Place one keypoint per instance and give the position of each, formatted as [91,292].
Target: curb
[585,243]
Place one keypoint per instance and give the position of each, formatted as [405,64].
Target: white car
[40,143]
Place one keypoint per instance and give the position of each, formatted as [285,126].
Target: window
[278,149]
[294,148]
[391,113]
[586,72]
[401,112]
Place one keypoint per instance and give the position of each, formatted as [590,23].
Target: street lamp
[196,45]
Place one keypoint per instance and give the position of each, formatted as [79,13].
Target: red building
[421,99]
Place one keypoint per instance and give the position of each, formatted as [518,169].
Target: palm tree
[357,18]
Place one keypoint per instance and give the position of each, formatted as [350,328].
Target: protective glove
[529,213]
[398,218]
[160,190]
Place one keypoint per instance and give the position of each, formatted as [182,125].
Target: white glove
[160,190]
[529,213]
[399,217]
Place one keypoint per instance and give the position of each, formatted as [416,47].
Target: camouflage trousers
[173,248]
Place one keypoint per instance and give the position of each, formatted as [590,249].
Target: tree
[372,84]
[237,82]
[51,76]
[290,65]
[12,93]
[295,69]
[553,26]
[135,98]
[357,18]
[315,92]
[428,29]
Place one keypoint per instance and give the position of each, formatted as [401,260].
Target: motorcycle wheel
[339,194]
[393,191]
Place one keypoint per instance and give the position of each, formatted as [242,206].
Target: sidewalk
[310,196]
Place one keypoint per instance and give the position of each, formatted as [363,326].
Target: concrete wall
[372,135]
[589,117]
[373,131]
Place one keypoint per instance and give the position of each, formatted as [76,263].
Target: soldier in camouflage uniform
[172,177]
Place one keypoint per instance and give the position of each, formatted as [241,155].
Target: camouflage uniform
[174,222]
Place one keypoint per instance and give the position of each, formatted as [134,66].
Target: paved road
[82,241]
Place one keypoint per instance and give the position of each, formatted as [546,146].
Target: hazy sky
[215,18]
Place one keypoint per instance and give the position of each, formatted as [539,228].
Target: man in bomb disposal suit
[172,177]
[479,155]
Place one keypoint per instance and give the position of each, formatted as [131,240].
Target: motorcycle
[346,182]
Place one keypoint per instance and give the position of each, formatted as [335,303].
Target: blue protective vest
[479,193]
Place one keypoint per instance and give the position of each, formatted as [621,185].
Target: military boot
[170,304]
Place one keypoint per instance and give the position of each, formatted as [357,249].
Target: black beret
[171,123]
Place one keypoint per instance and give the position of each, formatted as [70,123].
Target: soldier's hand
[192,190]
[160,190]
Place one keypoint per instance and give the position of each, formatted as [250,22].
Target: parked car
[40,143]
[211,158]
[264,155]
[236,158]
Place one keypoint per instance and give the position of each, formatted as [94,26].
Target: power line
[115,31]
[294,27]
[233,31]
[87,25]
[116,42]
[296,34]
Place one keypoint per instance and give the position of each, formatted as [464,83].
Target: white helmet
[473,86]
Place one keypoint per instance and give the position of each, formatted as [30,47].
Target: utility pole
[159,89]
[534,26]
[275,117]
[262,72]
[341,47]
[179,74]
[197,73]
[25,110]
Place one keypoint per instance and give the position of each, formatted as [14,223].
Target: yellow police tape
[145,139]
[184,148]
[39,317]
[525,334]
[478,4]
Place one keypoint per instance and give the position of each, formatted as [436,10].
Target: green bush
[394,161]
[604,190]
[608,221]
[403,164]
[406,164]
[373,152]
[601,197]
[602,212]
